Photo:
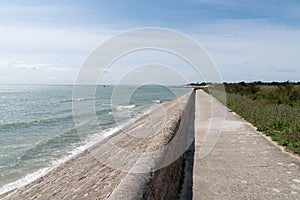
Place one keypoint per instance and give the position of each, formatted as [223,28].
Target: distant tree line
[274,92]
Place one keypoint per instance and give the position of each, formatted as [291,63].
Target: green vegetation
[274,108]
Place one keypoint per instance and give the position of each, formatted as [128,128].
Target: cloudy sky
[46,42]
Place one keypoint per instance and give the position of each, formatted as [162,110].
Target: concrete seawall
[139,162]
[163,183]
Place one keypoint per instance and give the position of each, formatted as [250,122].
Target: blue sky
[47,41]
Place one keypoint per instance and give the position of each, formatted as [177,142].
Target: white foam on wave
[23,181]
[41,172]
[122,107]
[157,101]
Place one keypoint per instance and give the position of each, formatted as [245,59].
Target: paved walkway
[243,164]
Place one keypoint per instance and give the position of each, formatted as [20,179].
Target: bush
[274,108]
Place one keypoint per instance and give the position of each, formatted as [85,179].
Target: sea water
[37,129]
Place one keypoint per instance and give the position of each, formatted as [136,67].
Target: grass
[274,109]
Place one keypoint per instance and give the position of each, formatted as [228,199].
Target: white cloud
[54,51]
[40,66]
[4,63]
[15,67]
[19,64]
[35,73]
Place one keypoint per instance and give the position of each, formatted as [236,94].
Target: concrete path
[243,164]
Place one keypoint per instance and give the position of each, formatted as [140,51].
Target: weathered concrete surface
[84,177]
[163,180]
[243,164]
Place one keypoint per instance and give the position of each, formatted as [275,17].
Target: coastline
[69,171]
[93,140]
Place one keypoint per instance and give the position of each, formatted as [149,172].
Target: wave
[35,122]
[103,110]
[122,107]
[50,146]
[71,100]
[157,101]
[79,99]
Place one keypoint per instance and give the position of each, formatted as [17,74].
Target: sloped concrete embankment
[164,183]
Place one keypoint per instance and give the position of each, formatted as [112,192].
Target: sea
[37,128]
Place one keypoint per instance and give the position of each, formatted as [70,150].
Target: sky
[46,42]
